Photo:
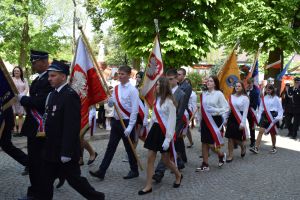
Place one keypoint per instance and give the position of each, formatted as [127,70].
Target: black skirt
[155,139]
[232,130]
[264,123]
[206,136]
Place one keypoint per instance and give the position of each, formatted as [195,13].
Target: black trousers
[34,147]
[252,128]
[288,122]
[101,116]
[116,134]
[5,141]
[71,171]
[296,124]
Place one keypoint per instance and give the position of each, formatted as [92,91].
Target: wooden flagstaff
[100,75]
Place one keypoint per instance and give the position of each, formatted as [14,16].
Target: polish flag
[275,65]
[153,71]
[85,81]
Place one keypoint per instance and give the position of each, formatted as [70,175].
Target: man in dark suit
[5,140]
[187,89]
[253,93]
[179,96]
[296,107]
[32,127]
[61,151]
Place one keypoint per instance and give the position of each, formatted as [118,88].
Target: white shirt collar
[125,85]
[42,74]
[60,87]
[174,89]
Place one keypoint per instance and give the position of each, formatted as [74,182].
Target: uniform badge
[54,108]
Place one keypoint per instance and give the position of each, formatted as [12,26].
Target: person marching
[237,130]
[269,113]
[33,126]
[296,107]
[178,95]
[253,93]
[125,96]
[161,133]
[214,109]
[62,144]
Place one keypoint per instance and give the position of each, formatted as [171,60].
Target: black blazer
[179,97]
[38,91]
[254,97]
[62,125]
[187,89]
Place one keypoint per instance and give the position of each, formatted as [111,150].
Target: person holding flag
[125,96]
[61,151]
[161,134]
[253,93]
[269,113]
[237,129]
[214,110]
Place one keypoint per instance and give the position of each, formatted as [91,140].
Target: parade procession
[213,87]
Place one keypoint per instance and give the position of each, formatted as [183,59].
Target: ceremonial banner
[229,75]
[153,71]
[282,73]
[8,91]
[85,81]
[275,65]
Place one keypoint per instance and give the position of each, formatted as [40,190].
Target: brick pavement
[262,176]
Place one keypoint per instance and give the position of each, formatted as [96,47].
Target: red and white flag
[275,65]
[85,81]
[153,71]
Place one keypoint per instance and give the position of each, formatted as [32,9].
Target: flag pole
[85,40]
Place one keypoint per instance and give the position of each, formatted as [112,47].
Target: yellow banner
[229,74]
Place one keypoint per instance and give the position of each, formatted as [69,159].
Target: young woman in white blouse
[161,133]
[236,130]
[214,109]
[269,113]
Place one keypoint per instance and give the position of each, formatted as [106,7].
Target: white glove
[65,159]
[145,122]
[166,144]
[241,127]
[127,132]
[110,102]
[20,97]
[211,109]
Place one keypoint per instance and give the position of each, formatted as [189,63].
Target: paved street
[262,176]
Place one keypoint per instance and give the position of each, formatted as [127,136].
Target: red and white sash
[253,115]
[119,102]
[39,119]
[143,133]
[185,123]
[272,127]
[162,123]
[238,117]
[212,126]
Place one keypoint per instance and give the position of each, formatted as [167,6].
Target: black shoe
[243,151]
[157,177]
[61,182]
[25,172]
[229,160]
[97,174]
[91,161]
[252,145]
[141,192]
[131,175]
[176,185]
[190,146]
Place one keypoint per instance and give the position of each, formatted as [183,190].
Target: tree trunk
[136,63]
[24,44]
[271,72]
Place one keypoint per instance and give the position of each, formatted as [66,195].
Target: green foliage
[196,80]
[187,28]
[15,16]
[255,21]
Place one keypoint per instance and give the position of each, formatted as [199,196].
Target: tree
[275,23]
[187,28]
[23,27]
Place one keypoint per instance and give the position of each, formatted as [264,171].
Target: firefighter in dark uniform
[38,92]
[296,107]
[61,151]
